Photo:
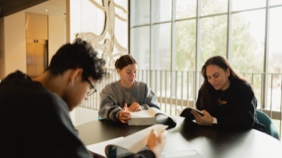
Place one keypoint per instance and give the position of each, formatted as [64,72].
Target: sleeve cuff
[214,121]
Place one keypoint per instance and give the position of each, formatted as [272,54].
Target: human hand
[205,119]
[156,142]
[135,107]
[124,114]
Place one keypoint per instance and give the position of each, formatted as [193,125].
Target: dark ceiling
[8,7]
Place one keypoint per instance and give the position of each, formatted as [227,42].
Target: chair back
[268,123]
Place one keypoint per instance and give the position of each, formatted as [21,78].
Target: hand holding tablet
[187,110]
[198,111]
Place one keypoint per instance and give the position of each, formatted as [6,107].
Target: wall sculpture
[107,42]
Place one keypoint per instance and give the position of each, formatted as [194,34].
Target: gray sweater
[113,97]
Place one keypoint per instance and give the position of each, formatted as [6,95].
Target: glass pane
[186,9]
[185,45]
[275,38]
[110,35]
[247,4]
[140,46]
[121,36]
[273,91]
[275,56]
[94,13]
[140,12]
[275,2]
[161,56]
[256,81]
[161,10]
[213,7]
[120,28]
[121,8]
[213,37]
[248,32]
[185,60]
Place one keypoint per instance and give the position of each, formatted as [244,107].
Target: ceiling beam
[8,7]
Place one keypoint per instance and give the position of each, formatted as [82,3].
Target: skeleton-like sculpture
[107,41]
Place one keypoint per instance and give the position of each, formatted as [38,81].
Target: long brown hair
[208,93]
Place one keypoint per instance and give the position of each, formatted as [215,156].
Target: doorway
[36,56]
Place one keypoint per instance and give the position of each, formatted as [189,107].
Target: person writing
[34,116]
[225,99]
[126,94]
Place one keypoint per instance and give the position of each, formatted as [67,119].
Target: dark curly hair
[79,54]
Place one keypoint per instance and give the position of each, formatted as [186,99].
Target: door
[36,57]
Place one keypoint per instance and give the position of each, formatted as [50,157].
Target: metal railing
[176,90]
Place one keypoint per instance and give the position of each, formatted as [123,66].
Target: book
[150,117]
[122,146]
[187,110]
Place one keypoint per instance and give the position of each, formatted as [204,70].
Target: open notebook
[122,146]
[125,145]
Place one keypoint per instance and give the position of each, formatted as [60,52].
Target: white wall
[2,61]
[14,53]
[36,26]
[74,18]
[15,43]
[85,17]
[57,34]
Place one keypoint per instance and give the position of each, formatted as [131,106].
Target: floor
[82,115]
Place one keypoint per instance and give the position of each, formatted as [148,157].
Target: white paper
[99,148]
[182,154]
[133,143]
[137,141]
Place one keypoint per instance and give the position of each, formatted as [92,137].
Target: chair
[269,125]
[100,118]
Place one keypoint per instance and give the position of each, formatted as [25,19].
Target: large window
[177,36]
[213,35]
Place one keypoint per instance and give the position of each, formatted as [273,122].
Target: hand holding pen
[124,114]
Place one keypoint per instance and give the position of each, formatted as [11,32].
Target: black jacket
[235,107]
[35,122]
